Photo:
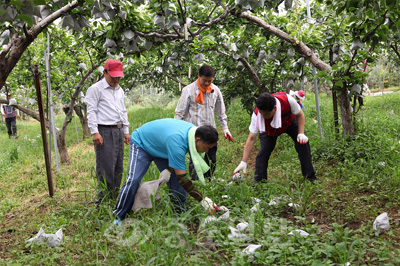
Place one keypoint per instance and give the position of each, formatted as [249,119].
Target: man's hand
[227,134]
[164,176]
[209,205]
[241,167]
[97,139]
[127,138]
[302,139]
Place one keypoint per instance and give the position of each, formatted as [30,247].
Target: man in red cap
[108,123]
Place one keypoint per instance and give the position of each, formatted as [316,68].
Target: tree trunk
[335,111]
[346,114]
[62,148]
[84,122]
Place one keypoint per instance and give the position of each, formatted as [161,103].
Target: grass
[359,180]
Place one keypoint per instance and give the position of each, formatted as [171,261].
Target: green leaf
[339,84]
[26,18]
[16,3]
[39,2]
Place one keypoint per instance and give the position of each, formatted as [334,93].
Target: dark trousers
[267,146]
[11,124]
[211,159]
[109,161]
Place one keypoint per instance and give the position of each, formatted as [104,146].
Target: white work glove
[302,139]
[227,134]
[241,167]
[209,205]
[164,177]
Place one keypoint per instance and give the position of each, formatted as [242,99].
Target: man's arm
[182,108]
[300,122]
[220,109]
[91,100]
[188,185]
[125,119]
[251,139]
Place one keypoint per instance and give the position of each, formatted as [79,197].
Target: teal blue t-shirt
[165,138]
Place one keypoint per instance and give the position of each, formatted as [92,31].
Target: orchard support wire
[315,81]
[38,87]
[52,126]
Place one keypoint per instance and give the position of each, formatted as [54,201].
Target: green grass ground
[359,180]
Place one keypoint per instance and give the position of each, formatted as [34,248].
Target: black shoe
[312,179]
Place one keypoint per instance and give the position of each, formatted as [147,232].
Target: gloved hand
[116,224]
[302,139]
[227,134]
[164,177]
[241,167]
[209,205]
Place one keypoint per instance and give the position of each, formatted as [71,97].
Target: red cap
[114,68]
[301,94]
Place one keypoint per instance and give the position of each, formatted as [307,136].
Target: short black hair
[266,102]
[207,71]
[207,134]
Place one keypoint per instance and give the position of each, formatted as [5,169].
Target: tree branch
[299,46]
[176,36]
[249,68]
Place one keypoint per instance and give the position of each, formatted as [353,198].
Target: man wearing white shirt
[275,114]
[108,123]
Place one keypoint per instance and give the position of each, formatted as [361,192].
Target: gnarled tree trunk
[83,118]
[346,114]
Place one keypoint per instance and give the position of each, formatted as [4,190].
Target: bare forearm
[249,146]
[300,122]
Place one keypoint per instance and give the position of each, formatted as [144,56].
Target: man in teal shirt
[166,142]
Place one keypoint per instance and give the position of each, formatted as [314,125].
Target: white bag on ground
[301,232]
[250,249]
[53,240]
[381,223]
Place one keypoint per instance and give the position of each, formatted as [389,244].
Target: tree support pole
[43,127]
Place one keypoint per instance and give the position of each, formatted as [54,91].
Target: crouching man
[166,142]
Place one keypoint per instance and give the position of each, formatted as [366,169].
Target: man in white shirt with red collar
[275,114]
[108,123]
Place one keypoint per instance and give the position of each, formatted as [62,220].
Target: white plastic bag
[53,240]
[301,232]
[250,249]
[381,223]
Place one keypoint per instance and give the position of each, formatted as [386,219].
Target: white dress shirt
[105,106]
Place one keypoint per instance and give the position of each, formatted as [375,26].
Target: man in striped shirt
[197,105]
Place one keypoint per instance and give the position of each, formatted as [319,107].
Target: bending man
[275,114]
[166,142]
